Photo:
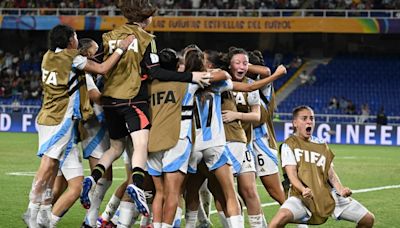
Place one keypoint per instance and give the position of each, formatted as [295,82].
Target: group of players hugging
[186,124]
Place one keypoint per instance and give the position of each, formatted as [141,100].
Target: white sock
[178,216]
[111,207]
[302,226]
[33,210]
[96,197]
[236,221]
[115,217]
[165,225]
[44,215]
[156,225]
[126,213]
[256,221]
[54,220]
[191,218]
[223,219]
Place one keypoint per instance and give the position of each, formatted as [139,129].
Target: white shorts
[71,163]
[172,160]
[241,157]
[98,140]
[214,157]
[346,209]
[266,158]
[54,139]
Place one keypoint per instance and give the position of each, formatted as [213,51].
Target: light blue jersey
[208,116]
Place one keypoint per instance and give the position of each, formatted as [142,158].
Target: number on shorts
[260,160]
[210,99]
[248,156]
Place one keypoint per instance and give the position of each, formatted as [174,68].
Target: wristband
[119,51]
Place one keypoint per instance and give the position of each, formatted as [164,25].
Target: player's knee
[367,221]
[249,193]
[283,217]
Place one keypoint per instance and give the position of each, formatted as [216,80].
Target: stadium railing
[211,12]
[339,118]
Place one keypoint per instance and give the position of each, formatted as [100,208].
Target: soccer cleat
[87,184]
[138,196]
[101,223]
[43,219]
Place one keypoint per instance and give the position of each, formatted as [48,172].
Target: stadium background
[350,52]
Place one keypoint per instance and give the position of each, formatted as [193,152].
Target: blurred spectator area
[351,85]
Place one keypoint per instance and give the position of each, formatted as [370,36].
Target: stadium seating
[361,79]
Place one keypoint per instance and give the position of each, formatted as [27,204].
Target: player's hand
[229,116]
[345,192]
[124,44]
[201,78]
[307,193]
[281,70]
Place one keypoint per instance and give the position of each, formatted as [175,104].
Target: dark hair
[59,36]
[194,60]
[137,10]
[296,110]
[168,59]
[256,58]
[234,51]
[83,46]
[215,58]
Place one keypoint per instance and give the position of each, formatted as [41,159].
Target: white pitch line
[354,191]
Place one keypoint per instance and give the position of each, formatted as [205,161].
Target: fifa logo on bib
[310,157]
[49,77]
[113,44]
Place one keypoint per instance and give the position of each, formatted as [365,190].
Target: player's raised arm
[103,68]
[263,71]
[248,87]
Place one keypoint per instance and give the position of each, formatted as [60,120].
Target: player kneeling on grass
[316,192]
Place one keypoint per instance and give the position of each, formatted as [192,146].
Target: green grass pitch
[359,167]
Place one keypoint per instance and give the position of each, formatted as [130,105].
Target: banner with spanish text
[212,24]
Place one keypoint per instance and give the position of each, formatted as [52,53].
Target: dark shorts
[125,116]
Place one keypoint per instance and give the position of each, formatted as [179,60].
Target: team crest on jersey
[310,157]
